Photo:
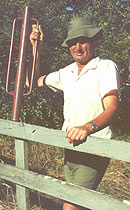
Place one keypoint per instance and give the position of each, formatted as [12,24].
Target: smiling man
[91,93]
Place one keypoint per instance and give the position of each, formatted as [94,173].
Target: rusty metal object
[21,71]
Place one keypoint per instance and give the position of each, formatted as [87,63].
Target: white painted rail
[119,150]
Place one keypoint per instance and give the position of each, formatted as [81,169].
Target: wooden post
[22,193]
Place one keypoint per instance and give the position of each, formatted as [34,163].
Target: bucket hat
[82,27]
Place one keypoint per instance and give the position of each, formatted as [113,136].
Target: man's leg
[79,175]
[88,174]
[68,206]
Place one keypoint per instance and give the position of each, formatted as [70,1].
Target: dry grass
[49,161]
[116,181]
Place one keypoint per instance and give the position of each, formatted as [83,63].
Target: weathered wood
[22,197]
[60,189]
[109,148]
[21,151]
[22,193]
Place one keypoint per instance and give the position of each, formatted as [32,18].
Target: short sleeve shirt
[84,93]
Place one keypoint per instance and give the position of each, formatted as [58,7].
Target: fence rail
[25,179]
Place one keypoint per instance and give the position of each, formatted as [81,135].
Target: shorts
[84,169]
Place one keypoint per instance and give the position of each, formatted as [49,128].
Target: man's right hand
[36,35]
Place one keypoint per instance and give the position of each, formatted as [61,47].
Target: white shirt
[83,94]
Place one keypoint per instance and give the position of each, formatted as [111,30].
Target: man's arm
[36,35]
[80,133]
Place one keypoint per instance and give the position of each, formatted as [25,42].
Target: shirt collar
[92,64]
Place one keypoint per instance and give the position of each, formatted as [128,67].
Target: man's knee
[69,206]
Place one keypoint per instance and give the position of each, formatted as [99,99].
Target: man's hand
[36,35]
[77,135]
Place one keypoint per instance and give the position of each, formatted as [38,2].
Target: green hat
[81,26]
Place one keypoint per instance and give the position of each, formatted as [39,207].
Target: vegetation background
[43,107]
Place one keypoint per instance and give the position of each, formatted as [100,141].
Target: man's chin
[81,61]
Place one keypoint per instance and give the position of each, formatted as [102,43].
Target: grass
[49,160]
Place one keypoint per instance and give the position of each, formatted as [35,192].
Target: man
[91,91]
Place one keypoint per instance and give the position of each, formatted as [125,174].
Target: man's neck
[82,65]
[80,68]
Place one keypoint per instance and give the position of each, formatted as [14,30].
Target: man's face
[82,50]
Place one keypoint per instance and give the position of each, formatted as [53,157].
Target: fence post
[22,193]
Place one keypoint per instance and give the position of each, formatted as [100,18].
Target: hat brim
[88,32]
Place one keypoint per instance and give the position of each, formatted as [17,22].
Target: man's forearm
[36,71]
[104,119]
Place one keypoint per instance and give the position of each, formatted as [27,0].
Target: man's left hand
[77,135]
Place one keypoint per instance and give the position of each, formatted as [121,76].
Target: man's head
[82,39]
[82,50]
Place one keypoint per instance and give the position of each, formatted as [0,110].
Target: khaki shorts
[83,169]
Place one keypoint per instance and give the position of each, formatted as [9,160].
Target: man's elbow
[37,82]
[41,81]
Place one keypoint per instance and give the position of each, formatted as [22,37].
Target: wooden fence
[25,179]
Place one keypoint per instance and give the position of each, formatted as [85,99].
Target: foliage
[42,107]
